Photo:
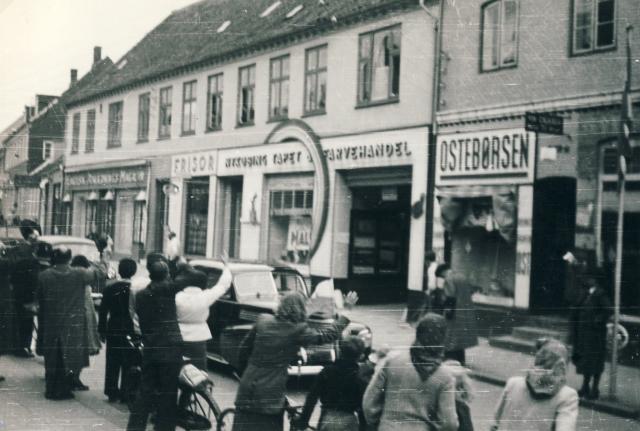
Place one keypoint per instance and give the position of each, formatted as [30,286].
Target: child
[114,326]
[464,394]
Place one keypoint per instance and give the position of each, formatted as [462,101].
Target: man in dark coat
[24,279]
[61,295]
[162,356]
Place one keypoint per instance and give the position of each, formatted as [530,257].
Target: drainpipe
[435,99]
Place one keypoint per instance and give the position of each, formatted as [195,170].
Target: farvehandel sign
[487,157]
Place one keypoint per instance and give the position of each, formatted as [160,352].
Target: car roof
[233,266]
[65,239]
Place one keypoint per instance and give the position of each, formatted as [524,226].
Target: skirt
[336,420]
[250,421]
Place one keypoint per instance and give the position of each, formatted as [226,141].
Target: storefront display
[197,210]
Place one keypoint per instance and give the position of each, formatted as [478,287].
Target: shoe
[593,395]
[79,386]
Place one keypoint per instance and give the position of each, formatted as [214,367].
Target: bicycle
[292,410]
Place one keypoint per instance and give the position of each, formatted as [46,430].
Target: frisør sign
[493,156]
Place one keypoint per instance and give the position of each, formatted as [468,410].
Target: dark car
[257,289]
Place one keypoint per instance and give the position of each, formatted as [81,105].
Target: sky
[41,40]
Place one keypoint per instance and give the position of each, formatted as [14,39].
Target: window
[75,138]
[47,150]
[164,128]
[89,143]
[593,25]
[379,66]
[246,110]
[279,88]
[290,225]
[189,91]
[114,132]
[315,85]
[499,34]
[144,102]
[214,102]
[197,212]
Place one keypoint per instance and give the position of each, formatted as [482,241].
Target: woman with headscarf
[411,389]
[541,400]
[267,350]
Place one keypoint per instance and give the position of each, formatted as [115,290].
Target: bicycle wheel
[225,420]
[199,411]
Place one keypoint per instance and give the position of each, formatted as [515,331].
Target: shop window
[246,95]
[593,25]
[279,88]
[197,215]
[66,218]
[90,219]
[106,213]
[139,221]
[75,137]
[189,93]
[290,225]
[610,161]
[379,66]
[315,84]
[144,101]
[114,131]
[89,143]
[214,100]
[164,116]
[499,34]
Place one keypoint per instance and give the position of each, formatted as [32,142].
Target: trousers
[118,360]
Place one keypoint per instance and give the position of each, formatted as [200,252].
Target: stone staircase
[523,338]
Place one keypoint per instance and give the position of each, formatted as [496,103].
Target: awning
[141,196]
[93,196]
[471,191]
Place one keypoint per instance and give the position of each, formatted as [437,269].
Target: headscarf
[427,350]
[292,308]
[548,374]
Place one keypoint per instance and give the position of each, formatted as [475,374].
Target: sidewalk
[495,365]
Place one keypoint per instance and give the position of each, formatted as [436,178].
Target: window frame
[593,31]
[192,103]
[90,133]
[501,66]
[317,72]
[114,136]
[252,87]
[371,35]
[75,133]
[165,107]
[143,134]
[279,81]
[46,143]
[219,93]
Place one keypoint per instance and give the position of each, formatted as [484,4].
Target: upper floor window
[91,131]
[593,25]
[164,117]
[75,137]
[189,91]
[499,34]
[114,131]
[47,150]
[214,101]
[279,88]
[315,83]
[144,102]
[379,65]
[246,95]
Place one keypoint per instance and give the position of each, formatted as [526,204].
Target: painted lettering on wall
[192,165]
[371,151]
[503,153]
[246,161]
[123,177]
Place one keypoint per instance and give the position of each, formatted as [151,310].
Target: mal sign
[544,123]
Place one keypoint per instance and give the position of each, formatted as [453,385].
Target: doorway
[554,222]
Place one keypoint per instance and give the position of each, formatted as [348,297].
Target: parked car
[256,289]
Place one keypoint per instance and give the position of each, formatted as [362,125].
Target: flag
[626,121]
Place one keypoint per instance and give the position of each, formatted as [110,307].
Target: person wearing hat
[411,389]
[541,400]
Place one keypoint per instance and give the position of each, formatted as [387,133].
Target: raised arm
[310,336]
[373,400]
[567,414]
[224,282]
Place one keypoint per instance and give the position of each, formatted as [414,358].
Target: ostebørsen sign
[486,157]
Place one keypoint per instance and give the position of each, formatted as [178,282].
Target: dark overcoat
[589,332]
[462,323]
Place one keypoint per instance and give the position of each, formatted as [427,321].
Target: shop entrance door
[124,226]
[554,215]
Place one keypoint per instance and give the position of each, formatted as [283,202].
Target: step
[533,333]
[509,342]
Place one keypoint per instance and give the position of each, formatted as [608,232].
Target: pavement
[495,365]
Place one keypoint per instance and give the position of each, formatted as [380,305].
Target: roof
[95,78]
[12,129]
[195,36]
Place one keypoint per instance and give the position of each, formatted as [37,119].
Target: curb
[605,406]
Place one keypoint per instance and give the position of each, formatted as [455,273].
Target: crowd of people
[423,387]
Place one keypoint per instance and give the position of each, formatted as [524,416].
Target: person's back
[63,296]
[115,305]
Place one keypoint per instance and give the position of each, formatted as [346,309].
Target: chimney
[74,77]
[29,113]
[97,54]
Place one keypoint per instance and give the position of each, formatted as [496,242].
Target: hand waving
[350,300]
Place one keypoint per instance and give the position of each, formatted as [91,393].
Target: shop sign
[543,122]
[194,165]
[299,236]
[111,178]
[496,156]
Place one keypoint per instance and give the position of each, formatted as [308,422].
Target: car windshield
[255,286]
[87,250]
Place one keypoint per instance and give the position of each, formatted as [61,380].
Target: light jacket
[192,306]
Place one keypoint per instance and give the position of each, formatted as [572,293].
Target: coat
[268,349]
[61,295]
[398,399]
[115,319]
[461,322]
[7,308]
[589,332]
